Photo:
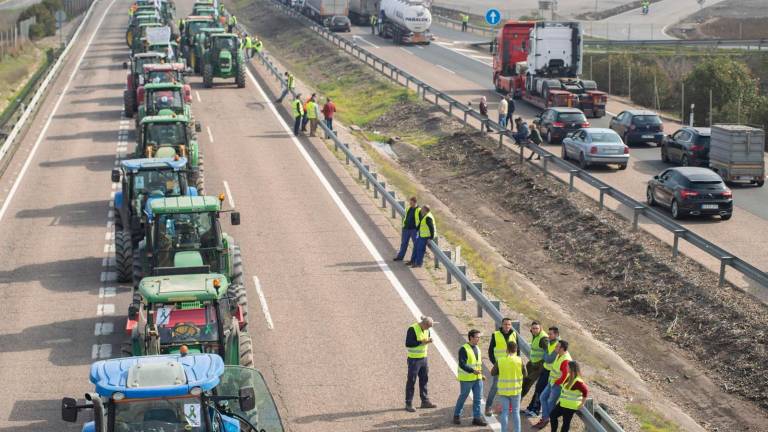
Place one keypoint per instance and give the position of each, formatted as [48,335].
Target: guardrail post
[392,194]
[359,171]
[603,190]
[724,261]
[437,96]
[375,189]
[450,107]
[463,270]
[466,113]
[424,92]
[346,154]
[501,138]
[497,305]
[447,253]
[675,244]
[637,211]
[407,83]
[572,173]
[383,197]
[402,203]
[546,161]
[522,154]
[479,286]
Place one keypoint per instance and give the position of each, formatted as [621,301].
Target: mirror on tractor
[125,65]
[115,175]
[69,410]
[656,177]
[198,127]
[234,218]
[133,312]
[247,399]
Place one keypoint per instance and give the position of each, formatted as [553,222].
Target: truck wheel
[238,297]
[240,78]
[123,256]
[246,350]
[138,271]
[208,75]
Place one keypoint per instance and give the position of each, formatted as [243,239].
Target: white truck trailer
[405,21]
[319,10]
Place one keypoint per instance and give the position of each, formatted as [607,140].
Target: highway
[450,65]
[327,313]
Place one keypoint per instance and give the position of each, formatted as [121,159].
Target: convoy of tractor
[189,358]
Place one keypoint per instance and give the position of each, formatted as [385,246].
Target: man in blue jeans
[557,375]
[427,232]
[510,373]
[471,378]
[410,228]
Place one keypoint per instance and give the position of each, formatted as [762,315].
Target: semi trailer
[405,21]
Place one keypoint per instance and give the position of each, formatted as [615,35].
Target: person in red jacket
[570,401]
[329,109]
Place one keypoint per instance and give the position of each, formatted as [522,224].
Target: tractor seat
[161,415]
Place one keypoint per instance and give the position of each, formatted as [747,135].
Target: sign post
[60,16]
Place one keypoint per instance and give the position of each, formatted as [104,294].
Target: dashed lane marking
[407,50]
[104,329]
[101,351]
[446,69]
[263,301]
[230,198]
[210,134]
[197,95]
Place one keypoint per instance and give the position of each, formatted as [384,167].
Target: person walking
[417,340]
[510,111]
[374,21]
[312,115]
[288,83]
[553,337]
[427,232]
[572,397]
[497,348]
[329,109]
[410,229]
[503,106]
[483,111]
[510,372]
[557,375]
[464,22]
[536,360]
[298,114]
[470,374]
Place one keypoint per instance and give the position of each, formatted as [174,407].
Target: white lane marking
[101,351]
[263,301]
[446,69]
[105,309]
[210,135]
[47,124]
[419,47]
[407,50]
[464,55]
[197,94]
[230,198]
[360,38]
[104,329]
[107,292]
[108,276]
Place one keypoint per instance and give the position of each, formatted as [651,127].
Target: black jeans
[565,413]
[297,125]
[417,368]
[535,404]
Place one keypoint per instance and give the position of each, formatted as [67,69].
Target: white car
[595,146]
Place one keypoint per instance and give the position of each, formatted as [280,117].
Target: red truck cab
[510,49]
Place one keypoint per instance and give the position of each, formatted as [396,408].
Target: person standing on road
[417,340]
[329,109]
[287,86]
[471,378]
[510,111]
[553,337]
[503,105]
[410,229]
[374,20]
[498,349]
[572,397]
[312,115]
[483,111]
[464,22]
[298,114]
[536,360]
[510,372]
[427,232]
[557,375]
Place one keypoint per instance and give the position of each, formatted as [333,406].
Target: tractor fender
[118,200]
[89,427]
[192,191]
[193,151]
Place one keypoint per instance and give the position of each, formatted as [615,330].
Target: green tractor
[139,37]
[158,99]
[136,78]
[192,25]
[223,58]
[198,47]
[170,136]
[141,16]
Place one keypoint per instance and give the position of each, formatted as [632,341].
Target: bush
[735,92]
[44,15]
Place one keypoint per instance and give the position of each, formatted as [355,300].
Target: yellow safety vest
[298,109]
[550,349]
[415,216]
[311,110]
[290,81]
[570,398]
[421,350]
[465,18]
[474,363]
[537,354]
[555,373]
[510,381]
[424,228]
[373,19]
[500,347]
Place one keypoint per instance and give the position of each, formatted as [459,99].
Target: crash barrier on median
[464,111]
[595,418]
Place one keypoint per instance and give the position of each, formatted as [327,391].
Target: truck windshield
[165,183]
[166,133]
[167,414]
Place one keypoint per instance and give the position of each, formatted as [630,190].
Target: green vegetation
[15,73]
[45,24]
[651,421]
[361,99]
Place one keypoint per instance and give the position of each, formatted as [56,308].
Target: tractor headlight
[196,391]
[118,396]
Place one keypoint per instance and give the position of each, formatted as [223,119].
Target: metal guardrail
[394,73]
[442,257]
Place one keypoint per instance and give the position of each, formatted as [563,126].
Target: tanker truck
[319,10]
[405,21]
[360,11]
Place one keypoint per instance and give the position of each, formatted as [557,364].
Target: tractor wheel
[237,267]
[123,256]
[138,271]
[128,103]
[207,75]
[238,297]
[197,177]
[240,78]
[246,350]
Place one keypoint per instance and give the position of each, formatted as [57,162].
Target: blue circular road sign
[492,16]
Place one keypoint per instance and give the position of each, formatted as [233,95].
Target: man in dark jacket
[426,232]
[498,348]
[410,228]
[417,340]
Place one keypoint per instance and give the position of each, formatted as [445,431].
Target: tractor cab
[167,136]
[161,73]
[175,393]
[205,9]
[171,48]
[198,47]
[164,99]
[135,78]
[168,11]
[142,17]
[223,59]
[192,25]
[139,37]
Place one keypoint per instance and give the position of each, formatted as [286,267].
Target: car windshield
[185,323]
[605,137]
[167,99]
[161,183]
[167,414]
[572,117]
[166,133]
[186,232]
[646,120]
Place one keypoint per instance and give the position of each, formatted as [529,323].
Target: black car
[555,123]
[688,146]
[691,191]
[339,23]
[638,126]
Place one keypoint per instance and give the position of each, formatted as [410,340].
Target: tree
[735,92]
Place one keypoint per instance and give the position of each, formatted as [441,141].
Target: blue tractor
[143,180]
[175,393]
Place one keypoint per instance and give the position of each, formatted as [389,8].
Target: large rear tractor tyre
[197,177]
[123,256]
[207,75]
[238,297]
[138,271]
[128,103]
[237,267]
[240,78]
[246,350]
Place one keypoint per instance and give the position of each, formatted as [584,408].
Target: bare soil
[732,19]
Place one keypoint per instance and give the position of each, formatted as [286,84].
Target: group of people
[559,390]
[250,44]
[418,227]
[522,132]
[306,112]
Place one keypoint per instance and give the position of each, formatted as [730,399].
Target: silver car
[595,146]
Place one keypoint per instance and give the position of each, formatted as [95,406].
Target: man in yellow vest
[287,86]
[550,353]
[427,232]
[297,109]
[464,22]
[312,111]
[497,349]
[470,374]
[557,375]
[417,340]
[232,23]
[374,20]
[410,229]
[535,366]
[509,372]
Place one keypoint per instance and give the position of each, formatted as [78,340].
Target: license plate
[709,207]
[647,136]
[611,151]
